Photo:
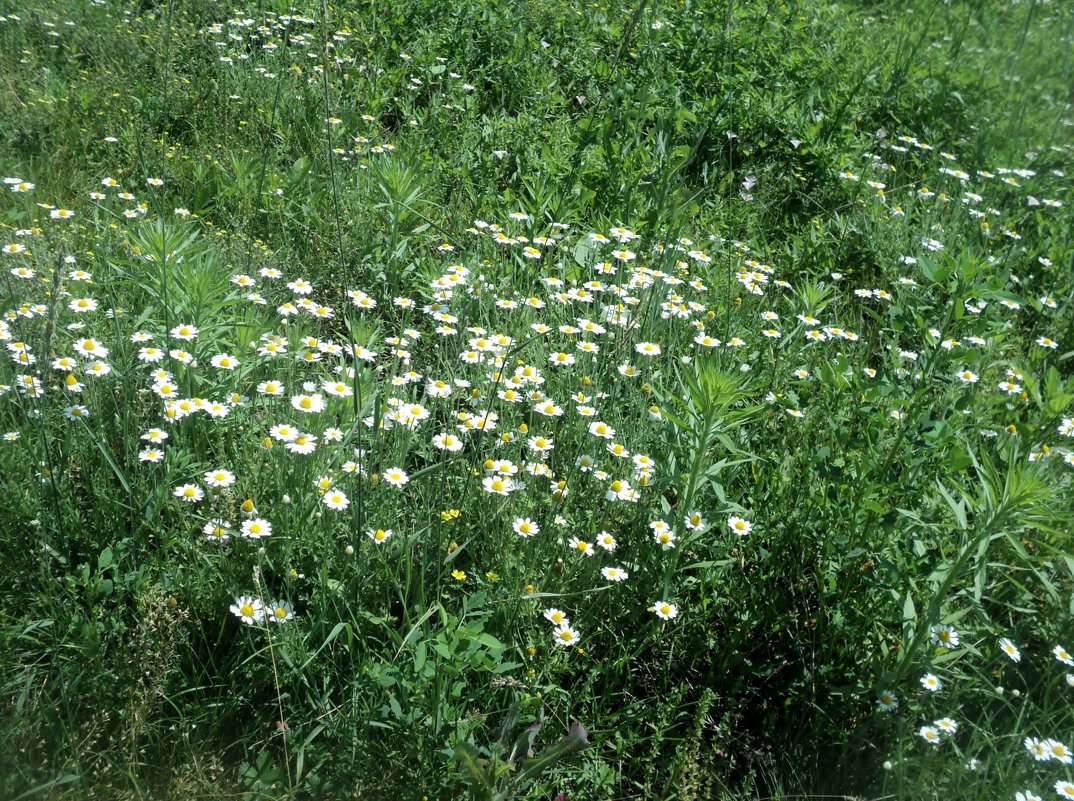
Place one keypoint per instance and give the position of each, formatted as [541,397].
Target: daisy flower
[191,493]
[283,432]
[335,499]
[1037,749]
[447,442]
[556,617]
[256,528]
[664,537]
[76,412]
[603,430]
[581,546]
[647,348]
[1010,649]
[945,636]
[184,331]
[310,404]
[931,683]
[606,541]
[929,734]
[279,612]
[566,636]
[217,530]
[739,526]
[946,725]
[1057,751]
[614,574]
[1063,655]
[247,609]
[396,477]
[497,485]
[524,527]
[302,444]
[219,479]
[887,701]
[380,535]
[664,610]
[695,522]
[224,361]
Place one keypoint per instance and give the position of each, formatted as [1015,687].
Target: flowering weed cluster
[354,402]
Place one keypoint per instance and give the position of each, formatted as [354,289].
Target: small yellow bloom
[458,575]
[248,506]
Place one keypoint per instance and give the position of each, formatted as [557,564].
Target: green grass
[809,390]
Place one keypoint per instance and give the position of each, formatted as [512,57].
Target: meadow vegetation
[433,399]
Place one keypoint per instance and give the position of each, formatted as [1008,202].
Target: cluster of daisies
[1042,750]
[961,193]
[252,610]
[484,391]
[641,308]
[563,633]
[170,356]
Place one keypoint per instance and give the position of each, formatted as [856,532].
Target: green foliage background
[123,676]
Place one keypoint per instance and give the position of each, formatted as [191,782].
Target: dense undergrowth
[549,401]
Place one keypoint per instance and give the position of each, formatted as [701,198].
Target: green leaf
[470,760]
[576,739]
